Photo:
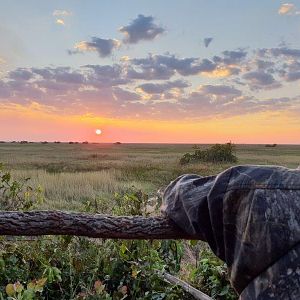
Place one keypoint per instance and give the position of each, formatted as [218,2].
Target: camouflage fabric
[250,216]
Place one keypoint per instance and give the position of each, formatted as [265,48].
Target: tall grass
[73,174]
[71,190]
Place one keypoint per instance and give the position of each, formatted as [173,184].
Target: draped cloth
[250,217]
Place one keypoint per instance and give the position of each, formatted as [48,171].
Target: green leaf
[28,295]
[193,243]
[123,248]
[6,177]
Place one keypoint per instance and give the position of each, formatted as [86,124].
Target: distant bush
[45,142]
[24,142]
[215,154]
[270,145]
[86,142]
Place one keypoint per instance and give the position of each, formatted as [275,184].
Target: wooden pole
[35,223]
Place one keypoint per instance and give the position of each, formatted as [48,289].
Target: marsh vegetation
[70,174]
[118,179]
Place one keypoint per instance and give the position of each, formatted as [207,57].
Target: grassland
[72,174]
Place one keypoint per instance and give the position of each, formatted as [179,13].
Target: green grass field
[71,174]
[74,176]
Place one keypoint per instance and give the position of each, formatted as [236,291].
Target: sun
[98,131]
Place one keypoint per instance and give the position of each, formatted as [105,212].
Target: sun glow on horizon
[98,131]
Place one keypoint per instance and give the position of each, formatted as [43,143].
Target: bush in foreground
[66,267]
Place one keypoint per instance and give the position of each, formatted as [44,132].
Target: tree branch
[35,223]
[185,286]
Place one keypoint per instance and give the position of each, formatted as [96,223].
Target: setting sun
[98,131]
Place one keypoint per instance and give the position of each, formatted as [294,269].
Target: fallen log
[35,223]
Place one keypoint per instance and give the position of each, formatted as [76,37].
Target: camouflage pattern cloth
[250,217]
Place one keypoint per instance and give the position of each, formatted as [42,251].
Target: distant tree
[86,142]
[45,142]
[71,142]
[271,145]
[57,142]
[24,142]
[117,143]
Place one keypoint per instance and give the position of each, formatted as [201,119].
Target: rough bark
[37,223]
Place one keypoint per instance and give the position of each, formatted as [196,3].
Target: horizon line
[138,143]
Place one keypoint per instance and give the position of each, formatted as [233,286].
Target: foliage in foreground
[18,195]
[80,268]
[215,154]
[210,276]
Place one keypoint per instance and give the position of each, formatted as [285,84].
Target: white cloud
[60,22]
[61,16]
[61,13]
[288,9]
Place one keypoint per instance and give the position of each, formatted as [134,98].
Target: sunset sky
[150,71]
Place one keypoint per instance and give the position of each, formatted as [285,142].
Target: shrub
[17,195]
[66,267]
[215,154]
[80,268]
[211,277]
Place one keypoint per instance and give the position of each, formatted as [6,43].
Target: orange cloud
[218,72]
[286,8]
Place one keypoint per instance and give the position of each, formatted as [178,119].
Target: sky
[150,71]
